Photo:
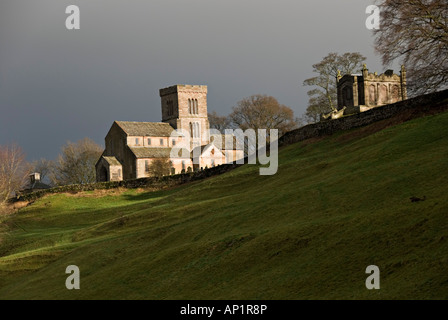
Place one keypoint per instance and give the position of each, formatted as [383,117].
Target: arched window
[383,94]
[196,111]
[196,130]
[372,94]
[395,93]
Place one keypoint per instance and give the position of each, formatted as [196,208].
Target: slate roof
[151,152]
[151,129]
[112,161]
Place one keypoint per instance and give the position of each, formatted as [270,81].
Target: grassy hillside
[335,206]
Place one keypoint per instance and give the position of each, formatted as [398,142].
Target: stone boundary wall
[152,182]
[412,108]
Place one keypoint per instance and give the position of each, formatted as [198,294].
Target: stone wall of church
[116,147]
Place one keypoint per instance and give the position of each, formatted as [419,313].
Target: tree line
[74,165]
[413,32]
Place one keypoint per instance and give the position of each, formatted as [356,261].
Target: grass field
[335,206]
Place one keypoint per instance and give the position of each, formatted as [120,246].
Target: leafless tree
[76,163]
[13,171]
[160,167]
[416,32]
[318,104]
[323,99]
[44,167]
[218,122]
[263,112]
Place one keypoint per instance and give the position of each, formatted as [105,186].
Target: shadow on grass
[154,194]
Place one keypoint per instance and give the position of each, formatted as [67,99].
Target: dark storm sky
[58,85]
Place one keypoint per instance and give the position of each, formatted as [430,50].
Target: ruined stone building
[130,147]
[362,92]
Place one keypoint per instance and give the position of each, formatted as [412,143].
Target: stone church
[130,147]
[362,92]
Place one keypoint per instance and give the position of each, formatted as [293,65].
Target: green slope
[335,206]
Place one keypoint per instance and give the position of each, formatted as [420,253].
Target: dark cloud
[58,85]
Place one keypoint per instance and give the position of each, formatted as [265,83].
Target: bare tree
[218,122]
[13,171]
[44,167]
[317,105]
[76,163]
[323,99]
[263,112]
[416,32]
[160,167]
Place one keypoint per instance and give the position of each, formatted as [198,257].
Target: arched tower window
[196,111]
[196,131]
[189,106]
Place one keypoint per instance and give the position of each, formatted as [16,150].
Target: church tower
[185,107]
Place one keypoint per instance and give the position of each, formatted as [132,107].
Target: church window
[149,141]
[147,168]
[137,141]
[190,111]
[161,142]
[196,111]
[196,130]
[174,142]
